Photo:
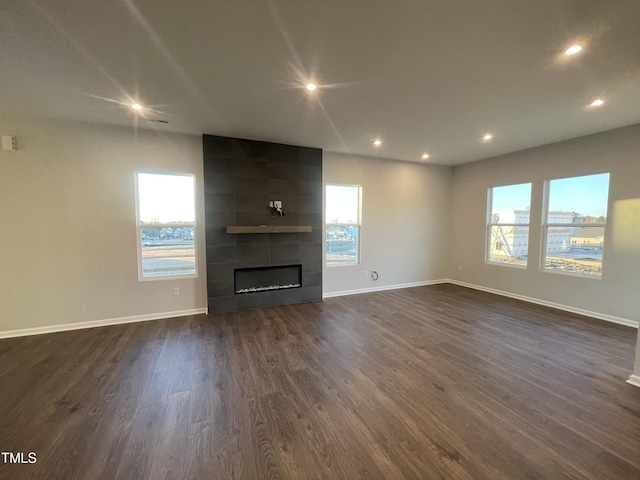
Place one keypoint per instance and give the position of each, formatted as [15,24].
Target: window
[574,224]
[343,224]
[166,225]
[508,224]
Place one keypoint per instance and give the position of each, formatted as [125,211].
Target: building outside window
[343,212]
[166,225]
[508,224]
[574,224]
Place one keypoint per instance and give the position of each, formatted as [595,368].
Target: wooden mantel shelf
[268,229]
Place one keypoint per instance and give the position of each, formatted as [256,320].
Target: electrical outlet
[176,292]
[459,268]
[366,274]
[277,203]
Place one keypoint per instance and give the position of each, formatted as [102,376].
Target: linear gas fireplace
[262,279]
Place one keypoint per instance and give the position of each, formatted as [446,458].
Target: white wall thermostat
[8,143]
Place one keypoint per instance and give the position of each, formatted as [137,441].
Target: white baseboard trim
[634,380]
[100,323]
[601,316]
[382,288]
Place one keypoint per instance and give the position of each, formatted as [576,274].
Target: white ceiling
[423,75]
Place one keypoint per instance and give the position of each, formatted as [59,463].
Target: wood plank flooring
[437,382]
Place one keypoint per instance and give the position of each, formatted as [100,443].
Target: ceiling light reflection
[573,49]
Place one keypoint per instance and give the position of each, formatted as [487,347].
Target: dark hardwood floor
[437,382]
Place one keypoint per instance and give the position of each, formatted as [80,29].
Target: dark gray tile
[216,228]
[279,186]
[222,305]
[220,272]
[261,263]
[284,170]
[252,203]
[314,236]
[310,204]
[310,189]
[311,265]
[289,219]
[311,294]
[218,166]
[214,146]
[275,221]
[278,238]
[250,169]
[282,251]
[254,300]
[252,253]
[251,186]
[221,254]
[310,156]
[218,184]
[282,153]
[310,250]
[313,219]
[253,149]
[220,288]
[218,202]
[241,176]
[217,236]
[311,173]
[312,279]
[285,297]
[284,261]
[219,219]
[252,238]
[253,218]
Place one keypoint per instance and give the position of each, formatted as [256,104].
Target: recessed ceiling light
[573,49]
[597,103]
[425,156]
[377,142]
[311,86]
[487,137]
[136,106]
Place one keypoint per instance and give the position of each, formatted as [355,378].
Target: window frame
[490,224]
[357,225]
[545,228]
[140,226]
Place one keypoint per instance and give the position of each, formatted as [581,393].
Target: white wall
[68,235]
[617,294]
[405,221]
[636,368]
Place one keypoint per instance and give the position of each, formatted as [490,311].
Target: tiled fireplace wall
[241,177]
